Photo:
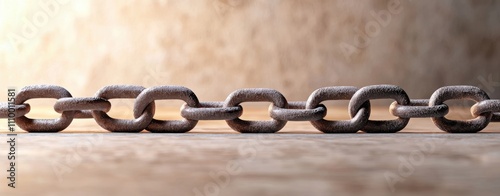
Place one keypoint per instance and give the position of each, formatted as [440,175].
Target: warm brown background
[217,46]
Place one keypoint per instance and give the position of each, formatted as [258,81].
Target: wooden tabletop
[212,159]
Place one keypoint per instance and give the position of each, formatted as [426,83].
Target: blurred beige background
[217,46]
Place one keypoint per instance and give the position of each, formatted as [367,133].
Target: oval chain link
[256,94]
[418,108]
[297,111]
[380,92]
[43,125]
[148,97]
[343,126]
[487,106]
[211,111]
[82,106]
[120,125]
[460,92]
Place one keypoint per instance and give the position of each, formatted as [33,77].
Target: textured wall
[215,47]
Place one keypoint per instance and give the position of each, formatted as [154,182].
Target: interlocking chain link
[358,120]
[460,92]
[119,125]
[281,111]
[148,96]
[256,94]
[43,125]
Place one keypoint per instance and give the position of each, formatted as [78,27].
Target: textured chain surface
[281,111]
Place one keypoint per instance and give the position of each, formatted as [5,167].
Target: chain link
[211,111]
[120,125]
[82,106]
[13,110]
[357,122]
[281,111]
[43,125]
[460,92]
[297,111]
[486,106]
[148,96]
[256,94]
[380,92]
[418,108]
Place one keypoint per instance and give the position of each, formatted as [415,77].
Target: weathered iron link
[343,126]
[119,125]
[485,107]
[460,92]
[149,95]
[296,111]
[380,92]
[281,111]
[82,106]
[418,108]
[43,125]
[19,110]
[256,94]
[211,111]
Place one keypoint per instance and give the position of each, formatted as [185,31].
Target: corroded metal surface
[281,111]
[460,92]
[485,107]
[43,125]
[82,106]
[119,125]
[343,126]
[18,110]
[297,111]
[148,96]
[256,94]
[380,92]
[418,108]
[211,111]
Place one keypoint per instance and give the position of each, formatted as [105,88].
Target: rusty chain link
[338,93]
[280,111]
[148,96]
[119,125]
[380,92]
[43,125]
[17,110]
[82,106]
[256,94]
[460,92]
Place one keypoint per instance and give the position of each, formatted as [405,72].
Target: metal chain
[281,111]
